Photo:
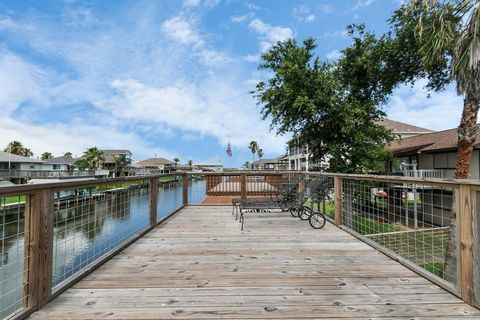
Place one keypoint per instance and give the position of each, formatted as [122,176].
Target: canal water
[83,233]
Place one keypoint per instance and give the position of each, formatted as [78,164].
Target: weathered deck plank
[199,265]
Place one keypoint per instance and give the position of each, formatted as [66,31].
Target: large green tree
[331,106]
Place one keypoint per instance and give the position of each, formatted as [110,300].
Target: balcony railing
[54,234]
[43,174]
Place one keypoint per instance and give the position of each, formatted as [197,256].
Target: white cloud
[325,8]
[180,30]
[74,137]
[336,34]
[21,82]
[334,55]
[191,3]
[243,18]
[362,4]
[270,34]
[252,6]
[412,105]
[251,58]
[174,88]
[214,58]
[303,13]
[216,107]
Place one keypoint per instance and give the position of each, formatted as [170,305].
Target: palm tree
[26,152]
[94,157]
[15,147]
[253,149]
[176,160]
[442,34]
[121,161]
[67,154]
[81,164]
[246,165]
[46,155]
[260,153]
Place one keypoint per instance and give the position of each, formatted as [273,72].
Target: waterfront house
[18,168]
[157,165]
[434,153]
[63,163]
[111,161]
[277,163]
[299,157]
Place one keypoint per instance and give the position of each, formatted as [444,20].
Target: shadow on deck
[199,265]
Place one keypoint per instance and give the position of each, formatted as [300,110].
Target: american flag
[229,150]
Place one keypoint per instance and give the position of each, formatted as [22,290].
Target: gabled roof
[400,127]
[60,160]
[274,160]
[9,157]
[446,140]
[154,162]
[126,152]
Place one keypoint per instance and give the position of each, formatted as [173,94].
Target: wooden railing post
[39,213]
[465,225]
[153,201]
[243,186]
[185,188]
[337,185]
[31,231]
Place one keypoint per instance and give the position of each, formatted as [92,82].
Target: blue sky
[169,78]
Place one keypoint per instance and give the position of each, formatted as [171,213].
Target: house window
[32,166]
[447,160]
[56,167]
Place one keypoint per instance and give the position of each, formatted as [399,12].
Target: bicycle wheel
[293,212]
[317,220]
[305,213]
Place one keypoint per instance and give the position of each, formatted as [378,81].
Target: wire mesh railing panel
[91,222]
[476,248]
[170,195]
[324,199]
[412,220]
[223,185]
[197,189]
[14,258]
[264,185]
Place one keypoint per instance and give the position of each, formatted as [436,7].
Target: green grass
[167,179]
[435,268]
[13,199]
[329,206]
[366,226]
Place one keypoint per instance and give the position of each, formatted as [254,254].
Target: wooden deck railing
[54,234]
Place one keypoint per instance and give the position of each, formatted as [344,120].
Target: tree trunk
[467,133]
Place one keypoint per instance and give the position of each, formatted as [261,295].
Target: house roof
[445,140]
[154,162]
[400,127]
[126,152]
[9,157]
[396,127]
[60,160]
[274,160]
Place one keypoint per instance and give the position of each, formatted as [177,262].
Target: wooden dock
[199,265]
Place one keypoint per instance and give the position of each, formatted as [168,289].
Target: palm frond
[466,57]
